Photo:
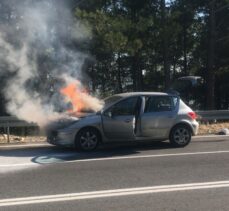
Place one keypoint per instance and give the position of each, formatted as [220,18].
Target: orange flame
[74,93]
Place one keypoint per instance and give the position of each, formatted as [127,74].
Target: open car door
[119,121]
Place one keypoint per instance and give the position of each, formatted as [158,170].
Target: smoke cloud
[38,57]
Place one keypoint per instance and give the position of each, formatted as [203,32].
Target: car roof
[129,94]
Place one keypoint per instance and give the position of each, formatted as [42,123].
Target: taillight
[192,115]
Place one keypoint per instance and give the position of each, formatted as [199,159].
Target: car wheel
[180,136]
[87,139]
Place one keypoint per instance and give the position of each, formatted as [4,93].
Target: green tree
[163,39]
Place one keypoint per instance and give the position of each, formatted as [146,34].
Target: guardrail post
[8,133]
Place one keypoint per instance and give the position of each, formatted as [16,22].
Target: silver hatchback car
[129,117]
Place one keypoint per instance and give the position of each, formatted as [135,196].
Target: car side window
[160,104]
[124,108]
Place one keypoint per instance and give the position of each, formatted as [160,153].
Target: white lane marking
[25,145]
[117,158]
[18,165]
[210,136]
[112,193]
[148,156]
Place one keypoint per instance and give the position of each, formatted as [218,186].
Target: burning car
[129,117]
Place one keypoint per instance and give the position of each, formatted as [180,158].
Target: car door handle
[127,120]
[170,117]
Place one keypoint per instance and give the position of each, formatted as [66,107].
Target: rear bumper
[195,128]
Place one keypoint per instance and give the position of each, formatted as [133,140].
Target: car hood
[61,123]
[71,122]
[87,120]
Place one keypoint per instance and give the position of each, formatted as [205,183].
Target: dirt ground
[21,139]
[214,128]
[205,129]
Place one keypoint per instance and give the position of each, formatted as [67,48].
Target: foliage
[135,37]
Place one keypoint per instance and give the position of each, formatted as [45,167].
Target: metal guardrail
[212,115]
[12,121]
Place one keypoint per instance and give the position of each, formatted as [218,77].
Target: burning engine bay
[81,105]
[66,121]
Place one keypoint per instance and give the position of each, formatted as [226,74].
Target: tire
[180,136]
[87,139]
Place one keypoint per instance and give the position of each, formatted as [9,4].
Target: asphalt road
[139,176]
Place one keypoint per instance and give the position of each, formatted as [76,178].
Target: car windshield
[111,100]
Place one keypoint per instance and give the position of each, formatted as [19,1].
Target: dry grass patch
[22,139]
[212,128]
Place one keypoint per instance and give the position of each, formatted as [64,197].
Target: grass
[212,128]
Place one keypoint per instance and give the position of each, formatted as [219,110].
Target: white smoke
[37,45]
[20,103]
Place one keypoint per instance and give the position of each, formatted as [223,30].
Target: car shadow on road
[105,151]
[52,154]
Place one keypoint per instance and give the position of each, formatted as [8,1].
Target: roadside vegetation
[34,136]
[145,45]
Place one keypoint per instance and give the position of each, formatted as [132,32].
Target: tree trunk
[137,72]
[165,46]
[134,74]
[119,76]
[210,92]
[185,49]
[103,67]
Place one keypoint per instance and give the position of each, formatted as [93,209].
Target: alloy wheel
[181,136]
[88,140]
